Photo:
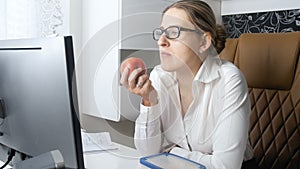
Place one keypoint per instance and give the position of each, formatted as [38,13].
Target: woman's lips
[165,54]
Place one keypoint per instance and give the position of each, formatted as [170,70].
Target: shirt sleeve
[148,135]
[231,133]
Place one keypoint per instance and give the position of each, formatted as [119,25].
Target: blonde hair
[202,16]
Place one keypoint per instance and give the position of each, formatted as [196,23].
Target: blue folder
[169,161]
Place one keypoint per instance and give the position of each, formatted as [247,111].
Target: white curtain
[30,18]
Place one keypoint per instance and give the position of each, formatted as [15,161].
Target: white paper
[93,142]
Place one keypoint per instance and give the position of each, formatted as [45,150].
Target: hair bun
[220,38]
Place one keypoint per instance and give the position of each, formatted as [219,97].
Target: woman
[193,104]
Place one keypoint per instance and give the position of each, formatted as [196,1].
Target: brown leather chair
[271,65]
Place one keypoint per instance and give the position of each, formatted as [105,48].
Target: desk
[123,158]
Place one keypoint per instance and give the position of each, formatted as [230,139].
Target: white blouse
[214,130]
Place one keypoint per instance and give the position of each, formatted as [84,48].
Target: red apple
[133,63]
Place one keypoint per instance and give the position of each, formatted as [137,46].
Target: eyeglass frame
[179,30]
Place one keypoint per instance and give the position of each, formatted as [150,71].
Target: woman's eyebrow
[162,27]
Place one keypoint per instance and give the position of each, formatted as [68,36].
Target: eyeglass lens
[171,33]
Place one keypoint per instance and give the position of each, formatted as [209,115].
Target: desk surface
[122,158]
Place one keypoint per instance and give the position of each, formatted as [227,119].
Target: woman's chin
[167,68]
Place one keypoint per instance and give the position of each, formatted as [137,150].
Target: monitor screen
[38,93]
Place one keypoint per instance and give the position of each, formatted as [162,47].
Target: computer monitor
[38,91]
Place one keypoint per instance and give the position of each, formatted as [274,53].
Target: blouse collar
[209,69]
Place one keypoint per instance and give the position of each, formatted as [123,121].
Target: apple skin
[133,63]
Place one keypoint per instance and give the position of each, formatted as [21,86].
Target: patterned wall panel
[263,22]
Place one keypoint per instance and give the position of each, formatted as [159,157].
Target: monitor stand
[52,159]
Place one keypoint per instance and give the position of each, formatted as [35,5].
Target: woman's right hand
[139,83]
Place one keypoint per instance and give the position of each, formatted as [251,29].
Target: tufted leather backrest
[271,65]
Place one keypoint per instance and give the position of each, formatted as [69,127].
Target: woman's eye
[173,33]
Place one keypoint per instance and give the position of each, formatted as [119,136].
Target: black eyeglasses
[172,32]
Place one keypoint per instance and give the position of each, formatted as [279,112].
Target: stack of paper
[93,142]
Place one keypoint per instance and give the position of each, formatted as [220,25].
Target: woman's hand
[138,83]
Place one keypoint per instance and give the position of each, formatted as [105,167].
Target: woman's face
[180,53]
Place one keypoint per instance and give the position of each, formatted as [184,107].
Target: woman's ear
[206,42]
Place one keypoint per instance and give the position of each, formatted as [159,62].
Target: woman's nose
[163,41]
